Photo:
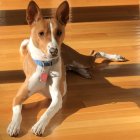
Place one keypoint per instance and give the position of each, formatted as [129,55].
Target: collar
[46,63]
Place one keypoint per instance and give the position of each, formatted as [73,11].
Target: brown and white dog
[46,58]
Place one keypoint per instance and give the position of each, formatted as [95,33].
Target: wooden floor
[104,108]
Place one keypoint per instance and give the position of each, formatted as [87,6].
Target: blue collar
[46,63]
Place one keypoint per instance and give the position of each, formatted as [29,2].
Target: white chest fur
[34,82]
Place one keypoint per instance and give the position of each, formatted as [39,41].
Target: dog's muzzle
[53,51]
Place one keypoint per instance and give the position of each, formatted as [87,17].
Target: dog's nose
[53,51]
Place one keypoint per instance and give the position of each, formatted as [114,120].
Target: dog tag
[43,77]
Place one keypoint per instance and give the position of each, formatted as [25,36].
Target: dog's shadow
[97,91]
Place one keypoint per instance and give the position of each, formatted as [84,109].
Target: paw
[14,127]
[39,128]
[120,58]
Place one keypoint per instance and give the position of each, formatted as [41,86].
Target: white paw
[120,58]
[14,127]
[39,128]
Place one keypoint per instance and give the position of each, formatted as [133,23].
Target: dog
[45,61]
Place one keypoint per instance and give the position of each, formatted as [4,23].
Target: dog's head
[47,34]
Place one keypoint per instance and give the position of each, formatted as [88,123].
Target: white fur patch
[54,42]
[34,83]
[36,53]
[14,127]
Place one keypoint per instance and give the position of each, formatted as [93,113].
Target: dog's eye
[59,33]
[41,34]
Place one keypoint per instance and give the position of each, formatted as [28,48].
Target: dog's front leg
[14,127]
[56,104]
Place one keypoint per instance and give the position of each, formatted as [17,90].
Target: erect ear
[62,13]
[33,13]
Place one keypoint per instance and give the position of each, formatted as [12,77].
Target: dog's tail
[23,47]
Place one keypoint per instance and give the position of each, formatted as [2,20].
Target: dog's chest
[43,76]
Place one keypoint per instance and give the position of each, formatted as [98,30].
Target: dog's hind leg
[83,64]
[112,57]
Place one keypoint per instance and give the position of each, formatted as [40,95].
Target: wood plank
[77,14]
[17,4]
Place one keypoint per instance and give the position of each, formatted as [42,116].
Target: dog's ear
[62,13]
[33,13]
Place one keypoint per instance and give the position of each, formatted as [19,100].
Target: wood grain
[106,107]
[77,14]
[17,4]
[14,12]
